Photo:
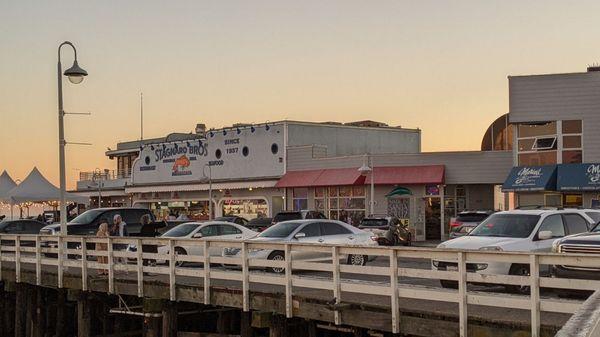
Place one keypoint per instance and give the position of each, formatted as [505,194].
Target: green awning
[399,191]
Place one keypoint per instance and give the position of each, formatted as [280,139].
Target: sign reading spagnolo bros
[232,154]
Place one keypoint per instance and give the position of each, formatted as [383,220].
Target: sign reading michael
[531,178]
[579,177]
[232,154]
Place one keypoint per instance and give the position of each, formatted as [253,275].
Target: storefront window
[196,210]
[572,200]
[346,203]
[246,208]
[537,158]
[553,200]
[300,198]
[546,144]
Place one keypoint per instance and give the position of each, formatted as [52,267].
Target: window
[544,143]
[274,148]
[572,200]
[594,215]
[573,126]
[229,230]
[553,200]
[539,129]
[212,230]
[576,223]
[218,154]
[328,228]
[346,203]
[311,230]
[245,151]
[300,198]
[537,144]
[554,224]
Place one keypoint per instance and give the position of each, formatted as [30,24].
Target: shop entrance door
[432,219]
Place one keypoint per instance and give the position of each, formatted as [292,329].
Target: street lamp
[75,75]
[97,179]
[209,188]
[365,169]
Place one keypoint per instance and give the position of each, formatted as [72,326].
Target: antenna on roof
[141,117]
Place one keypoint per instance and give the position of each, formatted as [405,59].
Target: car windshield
[280,230]
[87,216]
[374,222]
[507,225]
[287,216]
[594,215]
[181,230]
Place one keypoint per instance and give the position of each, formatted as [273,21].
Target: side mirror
[300,235]
[197,236]
[545,235]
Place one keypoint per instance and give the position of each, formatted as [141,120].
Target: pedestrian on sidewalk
[148,230]
[119,229]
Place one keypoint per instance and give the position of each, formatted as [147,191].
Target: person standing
[103,232]
[148,230]
[119,229]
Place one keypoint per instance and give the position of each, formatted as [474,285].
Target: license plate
[452,268]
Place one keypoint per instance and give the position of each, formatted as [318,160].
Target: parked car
[466,221]
[87,222]
[202,230]
[233,219]
[517,231]
[297,215]
[583,243]
[312,231]
[259,224]
[22,226]
[388,229]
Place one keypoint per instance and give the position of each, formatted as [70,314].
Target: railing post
[18,258]
[140,267]
[172,285]
[289,311]
[111,267]
[60,260]
[84,268]
[394,291]
[337,288]
[534,278]
[462,294]
[206,272]
[245,279]
[38,261]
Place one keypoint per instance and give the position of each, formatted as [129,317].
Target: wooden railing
[35,250]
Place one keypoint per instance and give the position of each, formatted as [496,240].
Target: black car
[23,226]
[87,222]
[233,218]
[297,215]
[259,224]
[583,243]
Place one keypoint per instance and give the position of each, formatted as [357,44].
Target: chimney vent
[200,129]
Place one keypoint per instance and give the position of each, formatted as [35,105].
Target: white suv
[516,231]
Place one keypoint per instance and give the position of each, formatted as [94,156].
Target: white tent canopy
[36,188]
[6,184]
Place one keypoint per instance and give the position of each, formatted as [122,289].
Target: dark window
[287,216]
[181,230]
[32,227]
[212,230]
[218,153]
[311,230]
[13,227]
[274,148]
[576,223]
[507,225]
[594,215]
[280,230]
[329,228]
[554,224]
[245,151]
[229,230]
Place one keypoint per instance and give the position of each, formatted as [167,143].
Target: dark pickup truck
[87,222]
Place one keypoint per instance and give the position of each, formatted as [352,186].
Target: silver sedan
[312,231]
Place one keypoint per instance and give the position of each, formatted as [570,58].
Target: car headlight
[491,248]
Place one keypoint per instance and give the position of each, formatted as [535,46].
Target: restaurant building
[557,147]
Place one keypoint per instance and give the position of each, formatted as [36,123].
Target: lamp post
[210,217]
[75,75]
[97,179]
[367,167]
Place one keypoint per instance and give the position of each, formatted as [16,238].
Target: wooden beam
[279,326]
[61,312]
[84,316]
[246,324]
[20,306]
[169,320]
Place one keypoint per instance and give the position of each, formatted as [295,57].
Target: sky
[441,66]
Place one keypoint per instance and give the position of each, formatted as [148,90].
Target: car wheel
[408,241]
[449,284]
[179,251]
[276,256]
[519,270]
[357,260]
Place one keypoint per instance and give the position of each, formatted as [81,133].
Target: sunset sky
[441,66]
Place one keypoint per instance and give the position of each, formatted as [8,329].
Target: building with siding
[557,149]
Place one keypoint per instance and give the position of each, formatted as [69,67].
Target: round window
[274,148]
[245,151]
[147,160]
[218,153]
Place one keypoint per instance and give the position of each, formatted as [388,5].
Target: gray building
[557,148]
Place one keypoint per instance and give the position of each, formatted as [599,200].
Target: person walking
[103,232]
[119,229]
[148,230]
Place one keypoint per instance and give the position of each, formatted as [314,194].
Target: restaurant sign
[531,178]
[579,177]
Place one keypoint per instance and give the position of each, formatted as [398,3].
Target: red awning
[325,177]
[408,175]
[393,175]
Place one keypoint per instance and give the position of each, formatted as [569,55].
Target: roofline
[553,74]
